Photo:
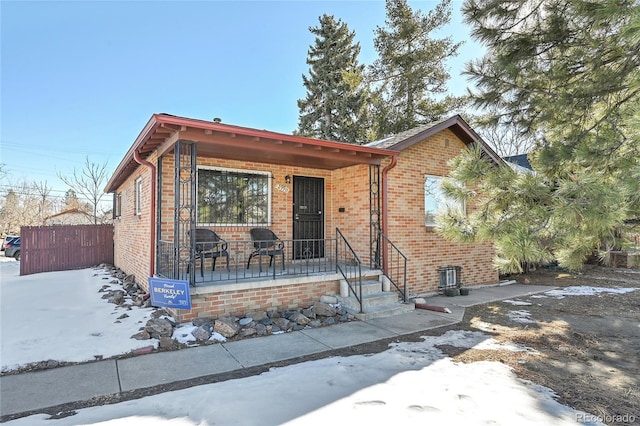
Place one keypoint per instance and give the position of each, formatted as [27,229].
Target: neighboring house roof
[213,138]
[456,124]
[69,217]
[521,160]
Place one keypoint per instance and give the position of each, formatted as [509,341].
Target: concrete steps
[376,303]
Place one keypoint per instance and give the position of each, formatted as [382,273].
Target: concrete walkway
[41,389]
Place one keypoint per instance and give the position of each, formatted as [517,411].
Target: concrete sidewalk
[41,389]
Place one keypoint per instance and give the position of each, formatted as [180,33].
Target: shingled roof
[456,124]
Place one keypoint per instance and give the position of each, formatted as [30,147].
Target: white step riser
[374,301]
[396,310]
[368,288]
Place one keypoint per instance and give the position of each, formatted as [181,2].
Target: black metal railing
[166,259]
[233,261]
[392,262]
[349,265]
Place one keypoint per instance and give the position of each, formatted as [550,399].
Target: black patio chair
[210,246]
[265,243]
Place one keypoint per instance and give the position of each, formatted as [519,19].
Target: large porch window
[233,197]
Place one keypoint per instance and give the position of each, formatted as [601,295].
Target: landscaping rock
[273,313]
[315,323]
[299,318]
[200,322]
[324,309]
[167,343]
[309,313]
[159,327]
[282,323]
[116,297]
[160,313]
[266,321]
[142,335]
[226,327]
[329,321]
[248,332]
[201,334]
[329,300]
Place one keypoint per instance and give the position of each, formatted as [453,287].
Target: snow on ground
[410,383]
[523,317]
[517,302]
[584,290]
[61,316]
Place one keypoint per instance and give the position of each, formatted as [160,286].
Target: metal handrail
[393,264]
[348,264]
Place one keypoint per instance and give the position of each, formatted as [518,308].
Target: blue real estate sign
[167,293]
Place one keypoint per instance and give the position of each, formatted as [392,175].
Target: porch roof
[215,139]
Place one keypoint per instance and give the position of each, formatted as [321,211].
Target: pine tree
[410,73]
[569,74]
[335,104]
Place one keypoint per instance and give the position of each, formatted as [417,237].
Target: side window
[117,205]
[435,201]
[138,196]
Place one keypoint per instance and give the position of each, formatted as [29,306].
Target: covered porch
[321,200]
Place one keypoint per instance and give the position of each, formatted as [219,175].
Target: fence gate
[64,247]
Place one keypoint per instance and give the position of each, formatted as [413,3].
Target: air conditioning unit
[450,277]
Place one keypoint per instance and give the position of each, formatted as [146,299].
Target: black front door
[308,217]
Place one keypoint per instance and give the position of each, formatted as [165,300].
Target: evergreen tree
[410,74]
[569,74]
[334,106]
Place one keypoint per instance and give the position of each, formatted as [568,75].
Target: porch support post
[185,210]
[374,217]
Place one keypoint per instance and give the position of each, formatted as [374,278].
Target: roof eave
[158,120]
[464,132]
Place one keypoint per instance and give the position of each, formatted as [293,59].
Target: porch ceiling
[226,141]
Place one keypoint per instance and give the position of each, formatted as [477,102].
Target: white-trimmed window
[436,202]
[233,197]
[117,205]
[138,196]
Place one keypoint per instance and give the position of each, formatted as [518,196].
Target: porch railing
[348,265]
[294,258]
[395,266]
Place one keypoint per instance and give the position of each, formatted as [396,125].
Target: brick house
[346,216]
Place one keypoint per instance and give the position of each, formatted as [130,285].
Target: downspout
[385,204]
[152,249]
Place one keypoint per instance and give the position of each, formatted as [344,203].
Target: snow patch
[586,291]
[518,302]
[523,317]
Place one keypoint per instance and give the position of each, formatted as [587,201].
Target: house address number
[282,188]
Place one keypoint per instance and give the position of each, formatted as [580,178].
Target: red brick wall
[351,191]
[131,231]
[425,249]
[237,302]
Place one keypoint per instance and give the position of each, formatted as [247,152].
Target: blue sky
[81,78]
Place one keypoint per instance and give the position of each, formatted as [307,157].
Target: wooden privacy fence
[64,247]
